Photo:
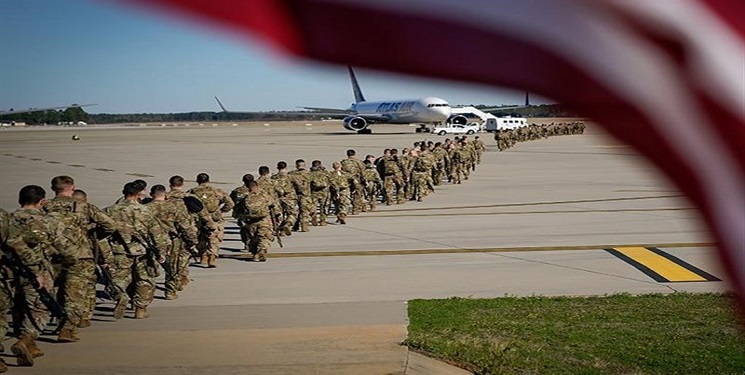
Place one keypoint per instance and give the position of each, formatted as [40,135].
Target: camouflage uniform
[456,159]
[340,193]
[181,229]
[287,200]
[216,202]
[355,167]
[79,278]
[319,185]
[203,222]
[393,180]
[47,241]
[422,172]
[438,170]
[238,195]
[259,226]
[480,148]
[372,182]
[135,257]
[301,182]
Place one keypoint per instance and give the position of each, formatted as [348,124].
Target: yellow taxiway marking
[659,265]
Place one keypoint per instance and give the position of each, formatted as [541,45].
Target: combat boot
[304,227]
[67,335]
[287,230]
[85,323]
[141,313]
[171,296]
[342,219]
[34,349]
[203,259]
[120,308]
[212,261]
[314,221]
[184,282]
[22,351]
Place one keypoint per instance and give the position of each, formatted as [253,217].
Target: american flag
[666,76]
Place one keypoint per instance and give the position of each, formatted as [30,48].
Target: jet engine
[457,120]
[354,123]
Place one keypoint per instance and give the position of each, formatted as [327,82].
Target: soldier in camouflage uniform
[202,220]
[480,148]
[238,195]
[181,229]
[142,185]
[319,186]
[287,197]
[11,242]
[216,202]
[135,257]
[258,207]
[300,178]
[46,240]
[340,192]
[372,183]
[79,278]
[393,180]
[354,167]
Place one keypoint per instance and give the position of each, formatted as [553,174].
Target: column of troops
[55,251]
[507,138]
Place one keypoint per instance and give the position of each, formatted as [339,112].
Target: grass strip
[680,333]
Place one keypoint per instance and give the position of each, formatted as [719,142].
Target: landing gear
[422,129]
[364,131]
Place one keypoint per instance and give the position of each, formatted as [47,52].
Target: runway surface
[542,218]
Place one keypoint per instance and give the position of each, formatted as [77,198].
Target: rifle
[110,287]
[275,225]
[20,269]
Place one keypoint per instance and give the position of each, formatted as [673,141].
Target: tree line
[76,114]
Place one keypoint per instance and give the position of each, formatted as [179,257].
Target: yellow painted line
[659,265]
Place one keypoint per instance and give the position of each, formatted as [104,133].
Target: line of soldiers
[55,251]
[275,205]
[507,138]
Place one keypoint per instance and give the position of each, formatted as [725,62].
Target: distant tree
[74,114]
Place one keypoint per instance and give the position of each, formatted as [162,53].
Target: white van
[492,124]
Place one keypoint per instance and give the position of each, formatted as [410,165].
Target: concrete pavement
[532,220]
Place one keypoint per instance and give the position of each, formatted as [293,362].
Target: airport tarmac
[534,220]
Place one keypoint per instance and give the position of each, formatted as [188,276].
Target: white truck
[492,124]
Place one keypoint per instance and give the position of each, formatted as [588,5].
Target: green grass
[620,334]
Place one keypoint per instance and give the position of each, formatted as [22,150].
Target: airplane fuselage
[408,111]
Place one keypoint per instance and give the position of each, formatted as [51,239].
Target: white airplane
[14,112]
[362,114]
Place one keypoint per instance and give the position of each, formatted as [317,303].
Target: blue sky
[130,60]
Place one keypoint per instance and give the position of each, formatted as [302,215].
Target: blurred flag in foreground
[666,77]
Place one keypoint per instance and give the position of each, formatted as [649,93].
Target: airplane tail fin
[220,104]
[527,99]
[358,97]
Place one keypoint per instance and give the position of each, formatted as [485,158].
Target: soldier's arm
[227,203]
[158,237]
[185,225]
[102,220]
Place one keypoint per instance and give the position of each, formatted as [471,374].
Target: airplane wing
[13,112]
[316,111]
[501,108]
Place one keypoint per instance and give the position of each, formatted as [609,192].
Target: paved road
[532,220]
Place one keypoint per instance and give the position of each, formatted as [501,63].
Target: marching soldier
[319,185]
[135,256]
[78,278]
[216,202]
[287,197]
[181,229]
[301,182]
[259,228]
